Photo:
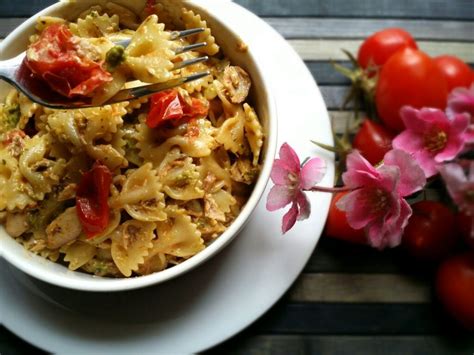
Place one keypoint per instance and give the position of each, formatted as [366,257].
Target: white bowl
[261,98]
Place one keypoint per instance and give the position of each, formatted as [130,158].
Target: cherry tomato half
[58,60]
[92,199]
[456,72]
[169,106]
[338,227]
[409,77]
[430,234]
[380,46]
[455,287]
[373,141]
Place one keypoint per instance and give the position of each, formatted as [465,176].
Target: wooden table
[349,299]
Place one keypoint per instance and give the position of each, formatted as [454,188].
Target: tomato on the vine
[380,46]
[338,227]
[409,77]
[464,227]
[456,72]
[373,141]
[455,287]
[429,234]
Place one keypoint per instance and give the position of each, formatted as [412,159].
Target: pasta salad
[136,187]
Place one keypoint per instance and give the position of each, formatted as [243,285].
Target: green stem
[331,189]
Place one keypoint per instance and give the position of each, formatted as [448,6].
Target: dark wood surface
[349,299]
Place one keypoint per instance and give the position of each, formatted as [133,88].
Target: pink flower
[291,179]
[431,137]
[377,203]
[460,187]
[461,100]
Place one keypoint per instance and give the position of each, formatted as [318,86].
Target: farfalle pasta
[136,187]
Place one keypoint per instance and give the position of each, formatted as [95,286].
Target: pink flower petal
[455,141]
[468,136]
[357,205]
[453,175]
[470,176]
[389,231]
[359,171]
[427,163]
[389,178]
[290,158]
[461,100]
[312,173]
[412,177]
[420,121]
[303,205]
[278,197]
[408,141]
[279,174]
[289,219]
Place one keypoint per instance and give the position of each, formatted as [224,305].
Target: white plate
[217,300]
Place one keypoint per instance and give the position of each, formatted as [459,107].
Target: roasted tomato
[169,106]
[56,57]
[409,77]
[92,199]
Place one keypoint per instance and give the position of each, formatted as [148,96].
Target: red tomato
[455,287]
[56,57]
[456,72]
[430,233]
[338,227]
[92,199]
[164,106]
[170,106]
[376,49]
[464,226]
[409,77]
[373,141]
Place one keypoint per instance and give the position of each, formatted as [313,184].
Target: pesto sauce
[12,116]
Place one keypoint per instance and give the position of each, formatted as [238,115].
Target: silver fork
[17,73]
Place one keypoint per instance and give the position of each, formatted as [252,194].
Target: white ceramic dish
[229,40]
[220,298]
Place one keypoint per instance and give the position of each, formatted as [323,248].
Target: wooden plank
[313,27]
[7,25]
[332,255]
[433,9]
[345,319]
[360,288]
[23,8]
[324,49]
[337,28]
[429,9]
[334,96]
[339,120]
[354,345]
[324,73]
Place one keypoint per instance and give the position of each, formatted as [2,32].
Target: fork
[17,73]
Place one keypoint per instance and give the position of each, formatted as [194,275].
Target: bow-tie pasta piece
[131,243]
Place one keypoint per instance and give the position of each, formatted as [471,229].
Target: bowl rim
[102,284]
